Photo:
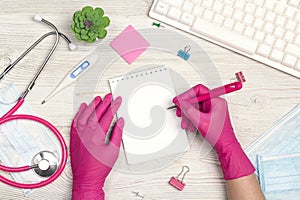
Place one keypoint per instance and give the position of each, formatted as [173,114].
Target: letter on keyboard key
[161,8]
[222,35]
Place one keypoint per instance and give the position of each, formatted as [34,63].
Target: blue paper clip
[184,54]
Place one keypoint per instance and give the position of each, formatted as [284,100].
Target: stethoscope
[45,163]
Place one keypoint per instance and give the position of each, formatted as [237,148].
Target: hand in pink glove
[212,119]
[91,159]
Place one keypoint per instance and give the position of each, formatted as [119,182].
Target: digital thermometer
[74,74]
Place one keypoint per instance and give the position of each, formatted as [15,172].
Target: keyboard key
[248,19]
[161,8]
[289,60]
[219,19]
[279,32]
[208,15]
[249,8]
[227,12]
[206,4]
[270,17]
[228,2]
[258,24]
[249,32]
[188,6]
[289,12]
[298,29]
[292,49]
[280,21]
[233,40]
[297,18]
[174,13]
[239,27]
[228,23]
[280,44]
[238,15]
[269,4]
[279,8]
[293,3]
[297,40]
[291,25]
[174,3]
[239,4]
[260,13]
[198,11]
[259,36]
[289,36]
[187,19]
[269,40]
[268,28]
[259,2]
[276,55]
[217,7]
[264,50]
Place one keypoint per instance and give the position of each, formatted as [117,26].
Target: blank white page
[151,131]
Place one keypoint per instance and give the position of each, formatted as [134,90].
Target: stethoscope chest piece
[44,164]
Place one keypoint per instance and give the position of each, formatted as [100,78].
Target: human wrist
[86,191]
[234,162]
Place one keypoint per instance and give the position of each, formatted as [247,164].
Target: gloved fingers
[79,112]
[191,127]
[205,106]
[107,118]
[178,112]
[100,109]
[116,137]
[219,107]
[194,115]
[184,122]
[84,117]
[191,93]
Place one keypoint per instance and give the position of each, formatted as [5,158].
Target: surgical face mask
[20,140]
[279,175]
[276,157]
[282,138]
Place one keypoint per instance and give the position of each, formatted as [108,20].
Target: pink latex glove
[212,119]
[91,159]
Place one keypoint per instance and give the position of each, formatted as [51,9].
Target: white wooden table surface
[266,97]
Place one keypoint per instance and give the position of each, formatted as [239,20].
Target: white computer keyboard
[265,30]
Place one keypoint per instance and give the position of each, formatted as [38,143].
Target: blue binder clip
[184,54]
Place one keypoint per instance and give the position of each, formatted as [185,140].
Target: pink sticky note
[130,44]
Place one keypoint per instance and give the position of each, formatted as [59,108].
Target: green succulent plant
[89,24]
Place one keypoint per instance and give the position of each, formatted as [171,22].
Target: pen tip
[43,102]
[171,107]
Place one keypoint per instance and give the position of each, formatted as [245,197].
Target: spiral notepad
[151,131]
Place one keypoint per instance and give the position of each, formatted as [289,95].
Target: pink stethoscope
[44,163]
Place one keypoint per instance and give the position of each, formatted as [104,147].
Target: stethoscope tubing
[60,138]
[9,116]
